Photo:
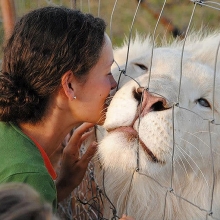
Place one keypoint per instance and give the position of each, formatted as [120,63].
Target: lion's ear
[206,49]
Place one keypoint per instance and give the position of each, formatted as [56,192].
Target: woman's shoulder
[21,161]
[14,143]
[11,132]
[18,152]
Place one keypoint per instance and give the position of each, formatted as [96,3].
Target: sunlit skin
[66,112]
[90,97]
[124,217]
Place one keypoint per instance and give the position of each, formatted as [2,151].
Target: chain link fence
[168,19]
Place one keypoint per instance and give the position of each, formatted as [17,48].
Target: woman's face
[91,96]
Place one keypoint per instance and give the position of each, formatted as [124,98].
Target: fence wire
[87,200]
[169,190]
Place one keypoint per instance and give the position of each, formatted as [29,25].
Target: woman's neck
[50,132]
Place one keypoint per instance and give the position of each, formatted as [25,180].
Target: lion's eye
[141,66]
[204,103]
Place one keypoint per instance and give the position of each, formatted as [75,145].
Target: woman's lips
[133,134]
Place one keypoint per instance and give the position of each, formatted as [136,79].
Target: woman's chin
[101,121]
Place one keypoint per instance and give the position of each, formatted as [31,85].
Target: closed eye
[203,102]
[141,66]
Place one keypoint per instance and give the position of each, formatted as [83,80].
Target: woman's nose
[113,83]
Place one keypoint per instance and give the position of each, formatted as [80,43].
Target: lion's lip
[131,133]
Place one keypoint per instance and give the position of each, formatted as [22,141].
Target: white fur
[142,194]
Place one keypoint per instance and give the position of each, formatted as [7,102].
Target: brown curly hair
[45,44]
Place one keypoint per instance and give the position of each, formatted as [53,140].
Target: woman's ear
[67,82]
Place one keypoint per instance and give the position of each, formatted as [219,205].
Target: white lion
[160,157]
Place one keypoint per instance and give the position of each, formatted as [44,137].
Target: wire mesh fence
[168,19]
[168,189]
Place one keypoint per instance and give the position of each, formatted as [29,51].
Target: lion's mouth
[132,134]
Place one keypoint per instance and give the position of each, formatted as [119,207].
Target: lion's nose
[149,102]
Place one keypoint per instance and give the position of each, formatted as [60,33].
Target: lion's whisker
[182,166]
[192,146]
[193,134]
[181,151]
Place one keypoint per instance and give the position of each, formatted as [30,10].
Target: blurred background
[119,15]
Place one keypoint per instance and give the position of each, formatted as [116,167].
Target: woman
[56,74]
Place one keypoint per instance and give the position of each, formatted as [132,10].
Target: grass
[177,11]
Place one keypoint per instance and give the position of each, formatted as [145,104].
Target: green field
[177,12]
